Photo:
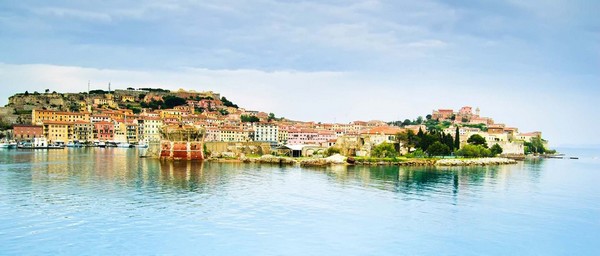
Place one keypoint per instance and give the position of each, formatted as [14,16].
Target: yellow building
[233,134]
[58,131]
[170,114]
[39,116]
[149,129]
[83,131]
[127,98]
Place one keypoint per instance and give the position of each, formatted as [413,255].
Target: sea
[95,201]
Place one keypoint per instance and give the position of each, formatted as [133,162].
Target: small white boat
[75,144]
[56,146]
[140,144]
[4,145]
[123,145]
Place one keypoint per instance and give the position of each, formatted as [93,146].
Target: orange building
[39,116]
[27,132]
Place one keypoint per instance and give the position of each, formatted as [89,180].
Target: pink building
[309,136]
[466,110]
[104,131]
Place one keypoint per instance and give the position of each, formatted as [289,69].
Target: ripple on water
[95,201]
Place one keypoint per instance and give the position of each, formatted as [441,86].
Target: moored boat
[123,145]
[74,144]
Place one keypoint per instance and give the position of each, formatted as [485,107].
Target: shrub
[496,150]
[438,149]
[473,151]
[331,151]
[384,150]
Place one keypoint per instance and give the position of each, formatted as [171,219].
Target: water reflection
[123,167]
[423,179]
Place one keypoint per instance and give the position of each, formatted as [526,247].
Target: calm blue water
[108,201]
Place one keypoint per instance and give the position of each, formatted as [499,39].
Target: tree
[536,145]
[419,120]
[271,117]
[384,150]
[477,139]
[47,90]
[457,139]
[228,103]
[438,149]
[496,149]
[420,133]
[428,117]
[406,122]
[26,93]
[172,101]
[251,119]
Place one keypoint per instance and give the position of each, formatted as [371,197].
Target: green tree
[477,139]
[438,149]
[457,139]
[384,150]
[173,101]
[428,117]
[536,145]
[251,119]
[419,120]
[496,149]
[228,103]
[332,151]
[271,117]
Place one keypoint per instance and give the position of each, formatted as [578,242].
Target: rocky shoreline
[341,160]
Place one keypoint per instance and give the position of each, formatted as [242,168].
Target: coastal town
[134,118]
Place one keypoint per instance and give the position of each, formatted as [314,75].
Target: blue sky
[530,64]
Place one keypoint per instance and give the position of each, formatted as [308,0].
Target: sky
[533,64]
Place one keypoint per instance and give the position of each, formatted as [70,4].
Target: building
[104,131]
[83,131]
[27,132]
[127,98]
[282,135]
[58,131]
[99,118]
[233,134]
[442,114]
[39,116]
[171,114]
[266,132]
[149,129]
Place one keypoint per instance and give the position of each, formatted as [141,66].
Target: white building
[266,132]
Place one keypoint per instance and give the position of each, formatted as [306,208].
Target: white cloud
[340,96]
[74,13]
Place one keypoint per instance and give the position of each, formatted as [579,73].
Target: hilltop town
[137,115]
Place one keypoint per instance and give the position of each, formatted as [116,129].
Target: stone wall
[247,148]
